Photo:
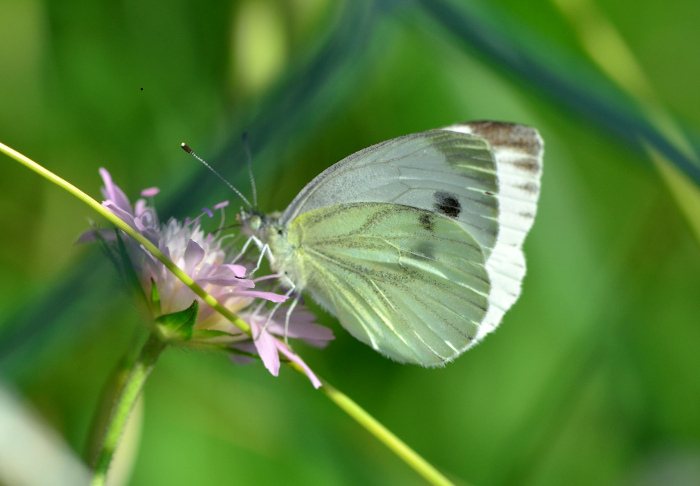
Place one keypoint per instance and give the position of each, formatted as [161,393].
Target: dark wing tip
[524,141]
[509,135]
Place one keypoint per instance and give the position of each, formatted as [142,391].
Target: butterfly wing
[485,176]
[437,170]
[409,282]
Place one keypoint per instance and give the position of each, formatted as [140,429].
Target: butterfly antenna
[187,149]
[249,156]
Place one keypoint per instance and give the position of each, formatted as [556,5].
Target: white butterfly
[414,243]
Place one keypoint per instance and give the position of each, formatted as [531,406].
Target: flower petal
[314,332]
[125,216]
[266,345]
[140,206]
[150,192]
[227,282]
[271,296]
[112,192]
[194,254]
[228,275]
[146,216]
[238,270]
[293,357]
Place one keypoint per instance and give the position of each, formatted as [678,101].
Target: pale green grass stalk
[609,51]
[409,456]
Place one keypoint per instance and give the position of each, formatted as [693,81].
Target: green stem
[384,435]
[124,404]
[110,392]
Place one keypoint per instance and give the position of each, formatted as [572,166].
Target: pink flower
[205,259]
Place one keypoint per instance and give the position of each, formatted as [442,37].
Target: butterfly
[415,243]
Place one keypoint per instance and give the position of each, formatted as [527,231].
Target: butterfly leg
[264,248]
[277,306]
[245,248]
[292,306]
[289,311]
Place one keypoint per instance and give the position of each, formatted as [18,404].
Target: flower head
[204,257]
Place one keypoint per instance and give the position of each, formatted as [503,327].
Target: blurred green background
[594,375]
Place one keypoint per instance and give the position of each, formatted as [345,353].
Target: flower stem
[110,392]
[124,403]
[374,427]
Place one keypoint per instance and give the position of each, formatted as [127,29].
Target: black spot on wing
[447,204]
[426,221]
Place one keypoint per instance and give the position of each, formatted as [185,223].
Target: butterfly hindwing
[410,283]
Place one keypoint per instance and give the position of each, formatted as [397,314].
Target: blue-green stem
[609,51]
[124,403]
[149,354]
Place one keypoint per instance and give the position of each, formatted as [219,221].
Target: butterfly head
[255,223]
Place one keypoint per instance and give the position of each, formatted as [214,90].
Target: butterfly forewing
[518,152]
[439,170]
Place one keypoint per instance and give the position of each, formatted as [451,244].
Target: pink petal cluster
[203,258]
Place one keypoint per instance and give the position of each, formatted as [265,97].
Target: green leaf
[178,326]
